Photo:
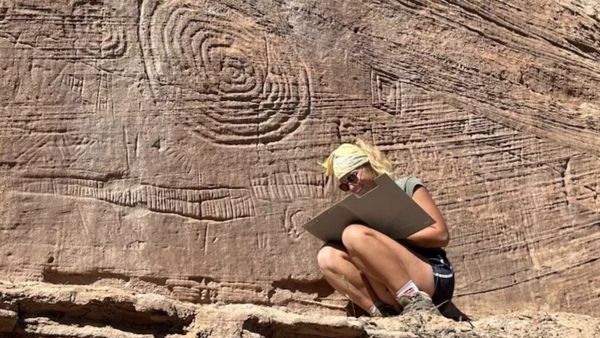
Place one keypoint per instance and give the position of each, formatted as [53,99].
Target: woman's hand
[435,235]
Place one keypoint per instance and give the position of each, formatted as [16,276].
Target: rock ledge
[47,310]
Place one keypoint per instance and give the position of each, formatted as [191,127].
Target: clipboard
[385,208]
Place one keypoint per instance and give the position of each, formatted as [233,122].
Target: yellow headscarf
[348,157]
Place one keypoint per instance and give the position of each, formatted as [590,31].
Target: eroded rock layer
[46,310]
[172,146]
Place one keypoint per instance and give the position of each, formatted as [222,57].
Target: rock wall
[172,146]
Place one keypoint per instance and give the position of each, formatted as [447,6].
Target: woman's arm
[435,235]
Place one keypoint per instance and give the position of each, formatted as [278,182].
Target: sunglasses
[351,178]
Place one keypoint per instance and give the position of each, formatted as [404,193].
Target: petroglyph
[262,240]
[68,30]
[228,79]
[206,290]
[295,217]
[212,204]
[581,184]
[289,186]
[203,291]
[50,149]
[386,91]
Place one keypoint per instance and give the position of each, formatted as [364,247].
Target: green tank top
[408,184]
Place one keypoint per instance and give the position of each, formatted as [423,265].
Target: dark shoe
[419,302]
[388,310]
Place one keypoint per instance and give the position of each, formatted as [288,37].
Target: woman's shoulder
[408,184]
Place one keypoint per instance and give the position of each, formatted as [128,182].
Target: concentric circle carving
[224,76]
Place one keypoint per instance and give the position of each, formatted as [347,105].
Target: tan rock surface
[47,310]
[171,146]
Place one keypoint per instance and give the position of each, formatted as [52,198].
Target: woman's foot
[420,301]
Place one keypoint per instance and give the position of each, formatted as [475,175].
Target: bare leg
[341,273]
[384,260]
[384,294]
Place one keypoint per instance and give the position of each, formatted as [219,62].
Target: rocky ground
[47,310]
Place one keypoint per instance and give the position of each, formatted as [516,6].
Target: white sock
[374,311]
[408,290]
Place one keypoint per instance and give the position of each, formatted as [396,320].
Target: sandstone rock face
[172,146]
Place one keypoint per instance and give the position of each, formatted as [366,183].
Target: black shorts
[443,276]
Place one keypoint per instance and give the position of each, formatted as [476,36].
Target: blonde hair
[378,161]
[348,157]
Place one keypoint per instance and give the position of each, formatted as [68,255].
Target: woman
[382,275]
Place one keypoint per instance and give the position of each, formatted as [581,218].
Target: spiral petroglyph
[224,77]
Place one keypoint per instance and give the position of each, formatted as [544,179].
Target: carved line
[212,204]
[65,149]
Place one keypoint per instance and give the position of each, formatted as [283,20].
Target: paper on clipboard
[385,208]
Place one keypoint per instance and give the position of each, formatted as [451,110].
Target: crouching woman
[382,275]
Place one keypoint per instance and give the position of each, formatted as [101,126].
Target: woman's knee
[329,257]
[354,235]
